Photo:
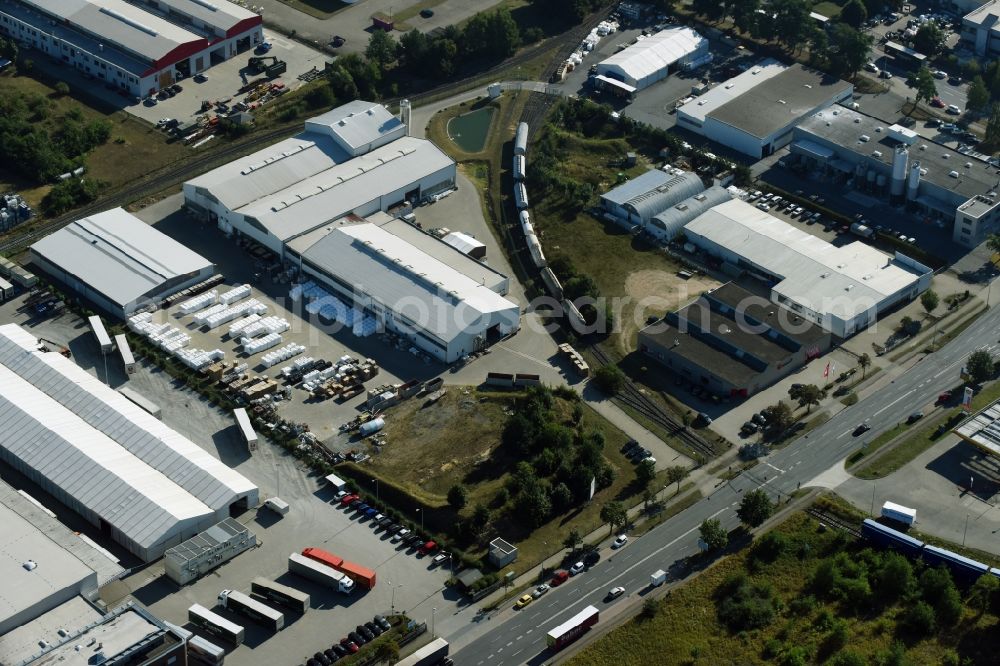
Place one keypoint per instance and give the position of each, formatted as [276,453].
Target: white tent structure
[653,58]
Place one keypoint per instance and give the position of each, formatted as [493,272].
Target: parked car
[937,102]
[871,67]
[540,590]
[629,446]
[428,548]
[939,74]
[619,541]
[340,650]
[914,417]
[374,628]
[347,643]
[953,110]
[200,78]
[577,568]
[366,632]
[400,535]
[382,622]
[523,601]
[357,638]
[347,499]
[763,206]
[759,419]
[749,428]
[885,74]
[558,578]
[944,397]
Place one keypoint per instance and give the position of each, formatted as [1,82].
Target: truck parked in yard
[320,573]
[899,513]
[253,609]
[361,575]
[859,229]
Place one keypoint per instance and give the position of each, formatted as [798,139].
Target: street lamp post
[433,613]
[392,603]
[421,519]
[377,498]
[966,532]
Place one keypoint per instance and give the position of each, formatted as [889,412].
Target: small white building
[655,57]
[118,262]
[756,111]
[843,289]
[206,551]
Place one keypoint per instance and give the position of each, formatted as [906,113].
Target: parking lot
[223,81]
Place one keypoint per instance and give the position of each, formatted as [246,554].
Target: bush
[849,659]
[769,547]
[69,194]
[610,379]
[747,606]
[772,648]
[918,619]
[650,607]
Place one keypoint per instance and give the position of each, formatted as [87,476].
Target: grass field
[134,149]
[457,440]
[807,627]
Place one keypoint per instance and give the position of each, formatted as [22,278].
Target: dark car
[385,522]
[426,13]
[366,632]
[382,622]
[371,512]
[629,445]
[393,528]
[332,655]
[340,650]
[321,658]
[177,88]
[361,508]
[355,503]
[374,628]
[412,539]
[591,558]
[337,41]
[862,429]
[357,638]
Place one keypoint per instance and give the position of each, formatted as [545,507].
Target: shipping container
[886,536]
[962,568]
[899,513]
[255,610]
[280,594]
[361,575]
[100,334]
[246,428]
[432,653]
[319,573]
[126,353]
[215,624]
[336,482]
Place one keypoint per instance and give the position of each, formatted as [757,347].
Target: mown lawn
[807,627]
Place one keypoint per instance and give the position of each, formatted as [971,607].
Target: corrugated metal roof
[220,14]
[649,55]
[342,188]
[655,191]
[464,243]
[671,221]
[842,281]
[356,124]
[119,23]
[119,255]
[405,279]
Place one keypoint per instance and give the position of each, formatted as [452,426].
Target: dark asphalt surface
[519,637]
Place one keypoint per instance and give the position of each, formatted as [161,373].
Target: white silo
[913,186]
[404,114]
[899,159]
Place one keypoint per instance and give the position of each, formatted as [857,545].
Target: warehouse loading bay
[314,519]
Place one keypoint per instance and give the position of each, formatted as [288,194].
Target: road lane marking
[902,397]
[777,469]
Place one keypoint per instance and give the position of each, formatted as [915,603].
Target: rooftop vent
[30,565]
[781,101]
[807,85]
[864,138]
[968,165]
[729,85]
[849,287]
[953,174]
[876,153]
[878,129]
[857,121]
[923,172]
[923,146]
[945,156]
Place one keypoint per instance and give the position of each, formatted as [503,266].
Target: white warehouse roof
[103,452]
[650,55]
[221,15]
[120,256]
[701,106]
[406,279]
[358,124]
[464,243]
[842,281]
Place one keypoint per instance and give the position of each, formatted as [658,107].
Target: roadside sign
[967,400]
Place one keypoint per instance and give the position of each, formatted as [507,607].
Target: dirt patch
[655,292]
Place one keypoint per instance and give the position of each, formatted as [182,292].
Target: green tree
[387,651]
[645,472]
[458,495]
[929,39]
[978,98]
[755,508]
[895,578]
[853,48]
[381,48]
[806,395]
[744,13]
[713,534]
[62,88]
[980,366]
[614,514]
[982,593]
[572,540]
[481,516]
[865,362]
[791,22]
[993,126]
[533,504]
[922,82]
[713,10]
[929,300]
[779,417]
[993,243]
[610,379]
[918,619]
[676,474]
[321,97]
[854,13]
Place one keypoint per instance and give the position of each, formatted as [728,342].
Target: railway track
[833,521]
[637,400]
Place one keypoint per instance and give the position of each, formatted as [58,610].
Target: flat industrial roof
[219,14]
[699,107]
[206,541]
[985,16]
[119,255]
[842,281]
[56,572]
[115,459]
[844,127]
[356,124]
[779,100]
[21,644]
[127,26]
[110,636]
[404,278]
[655,52]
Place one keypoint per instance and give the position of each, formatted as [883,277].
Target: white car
[616,592]
[540,590]
[954,110]
[939,74]
[576,568]
[871,67]
[763,206]
[620,541]
[398,536]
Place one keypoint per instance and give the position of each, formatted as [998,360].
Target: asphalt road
[519,637]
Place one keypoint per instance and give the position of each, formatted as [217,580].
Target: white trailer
[215,624]
[899,513]
[246,428]
[336,482]
[257,611]
[278,505]
[658,578]
[6,290]
[100,334]
[319,573]
[141,401]
[126,353]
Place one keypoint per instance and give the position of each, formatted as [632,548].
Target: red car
[559,578]
[347,499]
[428,548]
[944,397]
[349,644]
[938,102]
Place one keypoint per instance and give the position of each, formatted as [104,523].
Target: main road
[519,637]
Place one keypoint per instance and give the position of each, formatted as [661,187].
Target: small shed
[501,553]
[468,577]
[466,244]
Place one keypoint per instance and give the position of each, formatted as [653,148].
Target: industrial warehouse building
[653,59]
[667,224]
[140,482]
[445,302]
[353,160]
[733,342]
[843,289]
[981,29]
[756,111]
[118,262]
[959,192]
[637,201]
[136,47]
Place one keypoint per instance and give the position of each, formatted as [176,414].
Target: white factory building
[981,29]
[843,289]
[144,485]
[353,160]
[756,111]
[445,302]
[137,48]
[636,201]
[653,59]
[119,263]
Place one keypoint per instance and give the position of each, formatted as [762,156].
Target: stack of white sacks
[280,355]
[199,302]
[255,345]
[234,295]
